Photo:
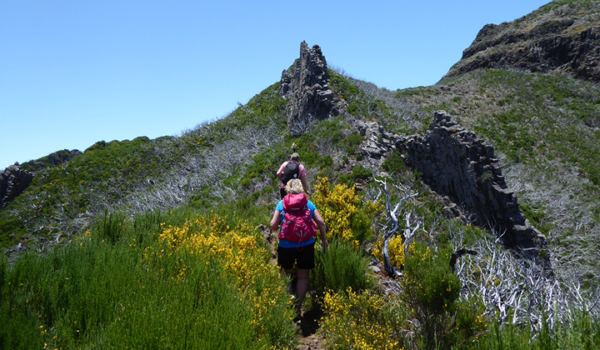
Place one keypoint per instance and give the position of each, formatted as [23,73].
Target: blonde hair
[294,186]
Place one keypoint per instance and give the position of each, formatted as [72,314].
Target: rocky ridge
[557,38]
[463,169]
[453,161]
[457,164]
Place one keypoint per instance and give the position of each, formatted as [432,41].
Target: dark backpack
[298,226]
[291,171]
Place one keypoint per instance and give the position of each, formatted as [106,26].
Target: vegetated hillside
[229,159]
[540,111]
[161,207]
[545,129]
[560,37]
[142,174]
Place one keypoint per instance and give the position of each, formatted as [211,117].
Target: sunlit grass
[200,285]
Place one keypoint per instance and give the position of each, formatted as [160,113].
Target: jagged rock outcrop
[13,181]
[306,86]
[455,163]
[557,40]
[377,142]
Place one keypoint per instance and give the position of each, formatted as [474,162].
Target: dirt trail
[312,342]
[309,325]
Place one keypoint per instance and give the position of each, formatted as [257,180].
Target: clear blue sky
[76,72]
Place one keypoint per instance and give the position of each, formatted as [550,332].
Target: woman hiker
[291,169]
[295,217]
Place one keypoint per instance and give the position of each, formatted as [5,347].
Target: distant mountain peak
[557,38]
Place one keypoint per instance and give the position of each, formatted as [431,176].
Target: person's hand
[324,244]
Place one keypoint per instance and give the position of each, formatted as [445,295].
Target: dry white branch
[391,227]
[207,169]
[517,290]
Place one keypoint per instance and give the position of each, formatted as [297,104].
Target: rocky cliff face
[455,163]
[553,39]
[306,86]
[13,181]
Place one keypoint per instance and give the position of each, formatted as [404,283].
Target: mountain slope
[141,174]
[544,128]
[561,37]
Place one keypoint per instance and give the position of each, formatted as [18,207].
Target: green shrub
[361,227]
[353,140]
[338,268]
[394,164]
[11,228]
[345,179]
[430,284]
[431,291]
[342,86]
[360,172]
[111,226]
[469,324]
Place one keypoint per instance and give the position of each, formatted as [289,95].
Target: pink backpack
[298,225]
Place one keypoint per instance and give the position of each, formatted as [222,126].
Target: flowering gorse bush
[396,250]
[237,251]
[337,208]
[362,321]
[344,216]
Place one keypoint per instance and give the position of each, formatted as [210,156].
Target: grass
[125,285]
[338,268]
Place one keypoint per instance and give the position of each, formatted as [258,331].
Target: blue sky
[76,72]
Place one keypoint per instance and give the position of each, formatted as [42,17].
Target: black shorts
[304,256]
[282,192]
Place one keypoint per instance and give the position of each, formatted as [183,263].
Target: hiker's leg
[301,286]
[285,260]
[306,262]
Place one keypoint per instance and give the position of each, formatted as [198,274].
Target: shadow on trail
[309,323]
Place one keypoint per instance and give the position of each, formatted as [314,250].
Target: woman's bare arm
[322,229]
[275,221]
